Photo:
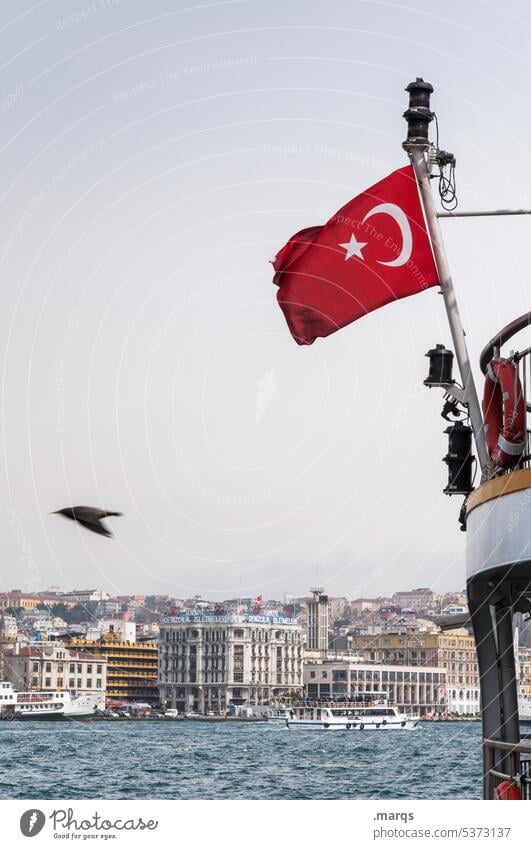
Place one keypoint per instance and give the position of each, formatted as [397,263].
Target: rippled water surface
[195,760]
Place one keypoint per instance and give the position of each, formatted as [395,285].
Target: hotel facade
[209,662]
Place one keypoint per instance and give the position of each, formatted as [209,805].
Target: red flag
[373,251]
[258,598]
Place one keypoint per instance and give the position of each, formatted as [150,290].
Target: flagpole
[418,117]
[479,213]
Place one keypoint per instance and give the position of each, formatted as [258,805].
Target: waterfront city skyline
[157,161]
[261,598]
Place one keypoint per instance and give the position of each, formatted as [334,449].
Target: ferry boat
[364,711]
[44,705]
[278,715]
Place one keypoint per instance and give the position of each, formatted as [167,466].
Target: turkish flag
[373,251]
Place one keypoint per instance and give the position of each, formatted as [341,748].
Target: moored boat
[44,705]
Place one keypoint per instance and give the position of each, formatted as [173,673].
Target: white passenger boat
[278,715]
[364,712]
[45,705]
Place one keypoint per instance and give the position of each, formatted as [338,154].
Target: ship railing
[516,757]
[42,696]
[339,703]
[522,359]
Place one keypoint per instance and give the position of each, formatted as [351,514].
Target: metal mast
[418,146]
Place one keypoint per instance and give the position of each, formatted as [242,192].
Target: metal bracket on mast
[418,146]
[456,392]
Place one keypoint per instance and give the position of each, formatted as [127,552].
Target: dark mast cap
[418,114]
[419,94]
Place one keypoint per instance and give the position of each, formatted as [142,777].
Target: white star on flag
[353,248]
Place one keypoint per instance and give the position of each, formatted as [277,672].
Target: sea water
[232,760]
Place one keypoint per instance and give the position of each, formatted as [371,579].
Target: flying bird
[89,517]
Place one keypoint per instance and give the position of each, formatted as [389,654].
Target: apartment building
[454,651]
[52,666]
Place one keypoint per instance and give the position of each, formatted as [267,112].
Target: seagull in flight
[89,517]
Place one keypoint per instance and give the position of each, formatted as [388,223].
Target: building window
[35,667]
[89,683]
[98,683]
[71,683]
[98,669]
[89,668]
[79,683]
[48,667]
[79,669]
[72,667]
[59,682]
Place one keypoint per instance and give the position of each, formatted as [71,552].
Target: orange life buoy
[507,790]
[504,413]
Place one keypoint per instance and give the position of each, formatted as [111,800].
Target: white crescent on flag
[407,237]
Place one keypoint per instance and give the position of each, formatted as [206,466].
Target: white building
[454,610]
[207,662]
[125,631]
[51,666]
[84,596]
[420,599]
[462,699]
[8,627]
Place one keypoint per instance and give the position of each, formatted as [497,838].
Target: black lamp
[441,363]
[459,459]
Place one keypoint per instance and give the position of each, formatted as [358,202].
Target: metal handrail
[501,338]
[502,745]
[523,779]
[519,768]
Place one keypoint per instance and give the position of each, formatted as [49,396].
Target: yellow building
[132,668]
[29,601]
[454,650]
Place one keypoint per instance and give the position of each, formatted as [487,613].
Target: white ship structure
[364,711]
[45,705]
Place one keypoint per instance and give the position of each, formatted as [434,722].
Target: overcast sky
[154,157]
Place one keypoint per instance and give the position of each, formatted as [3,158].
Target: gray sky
[154,159]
